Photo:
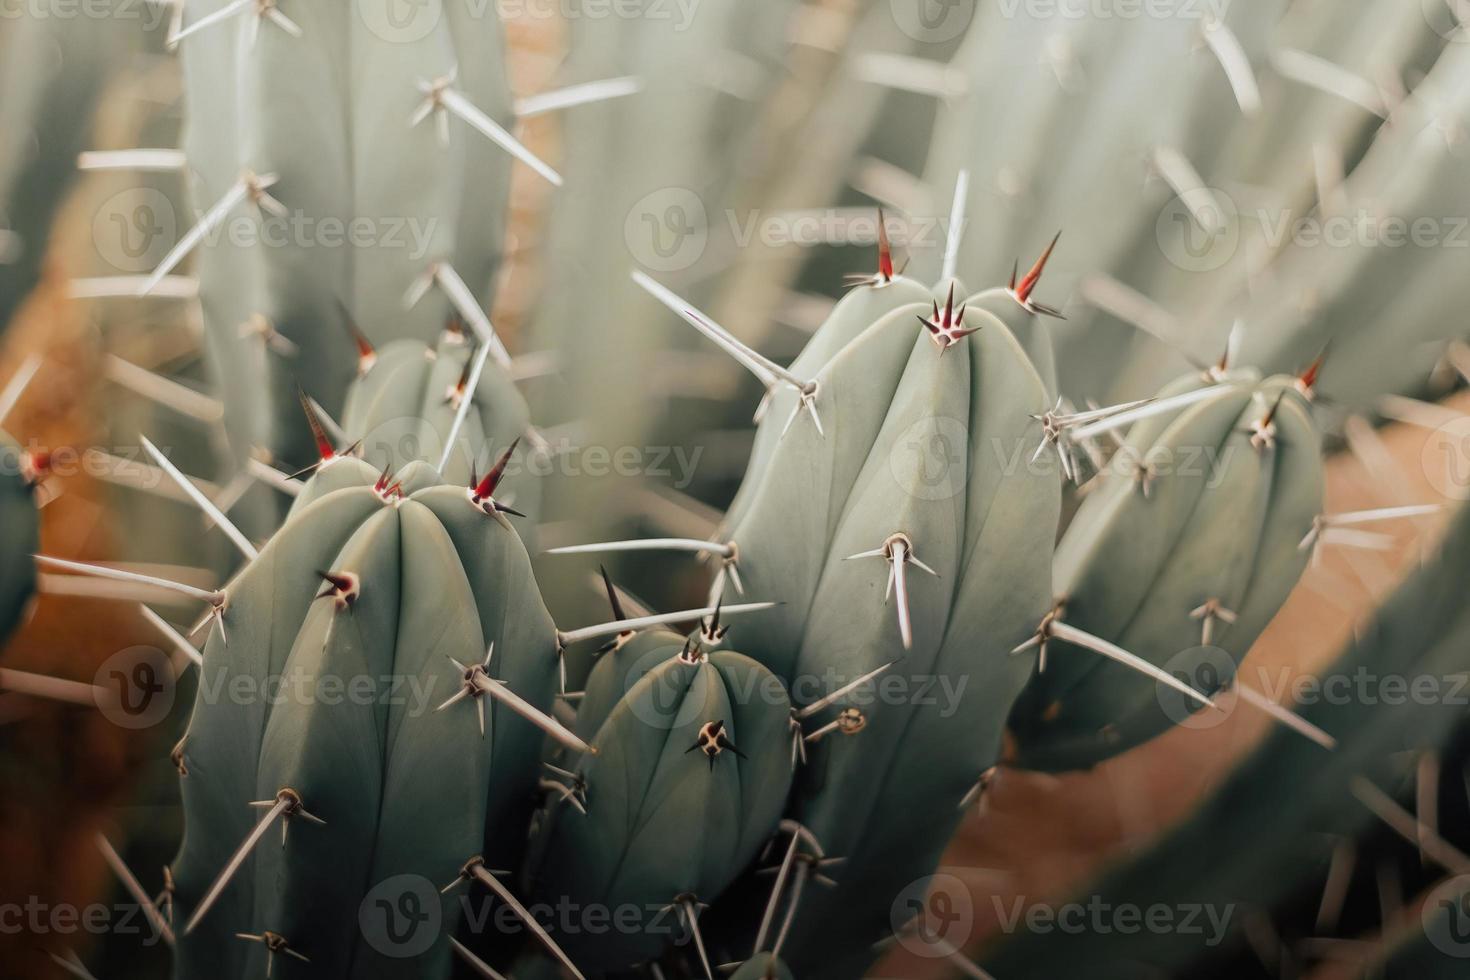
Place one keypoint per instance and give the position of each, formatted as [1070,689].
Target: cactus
[409,399]
[365,581]
[53,75]
[1260,106]
[1180,554]
[833,505]
[1298,799]
[22,538]
[342,114]
[779,802]
[691,773]
[374,579]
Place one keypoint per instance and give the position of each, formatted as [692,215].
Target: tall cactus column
[345,163]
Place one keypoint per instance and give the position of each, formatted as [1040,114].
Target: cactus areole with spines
[409,399]
[349,112]
[1180,554]
[691,773]
[918,489]
[369,590]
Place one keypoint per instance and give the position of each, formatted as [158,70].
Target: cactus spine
[365,582]
[691,774]
[1180,554]
[316,119]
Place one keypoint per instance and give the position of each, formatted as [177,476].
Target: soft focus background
[747,174]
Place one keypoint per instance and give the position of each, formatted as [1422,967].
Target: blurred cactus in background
[52,73]
[405,342]
[22,539]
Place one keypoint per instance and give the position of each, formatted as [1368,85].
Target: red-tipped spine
[885,253]
[485,490]
[1027,285]
[1307,380]
[318,434]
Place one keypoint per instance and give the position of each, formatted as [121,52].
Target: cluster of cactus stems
[740,781]
[1389,797]
[681,776]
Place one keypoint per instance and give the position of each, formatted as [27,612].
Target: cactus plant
[339,118]
[838,499]
[1184,571]
[402,586]
[691,774]
[54,73]
[400,564]
[917,447]
[1313,798]
[18,515]
[409,399]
